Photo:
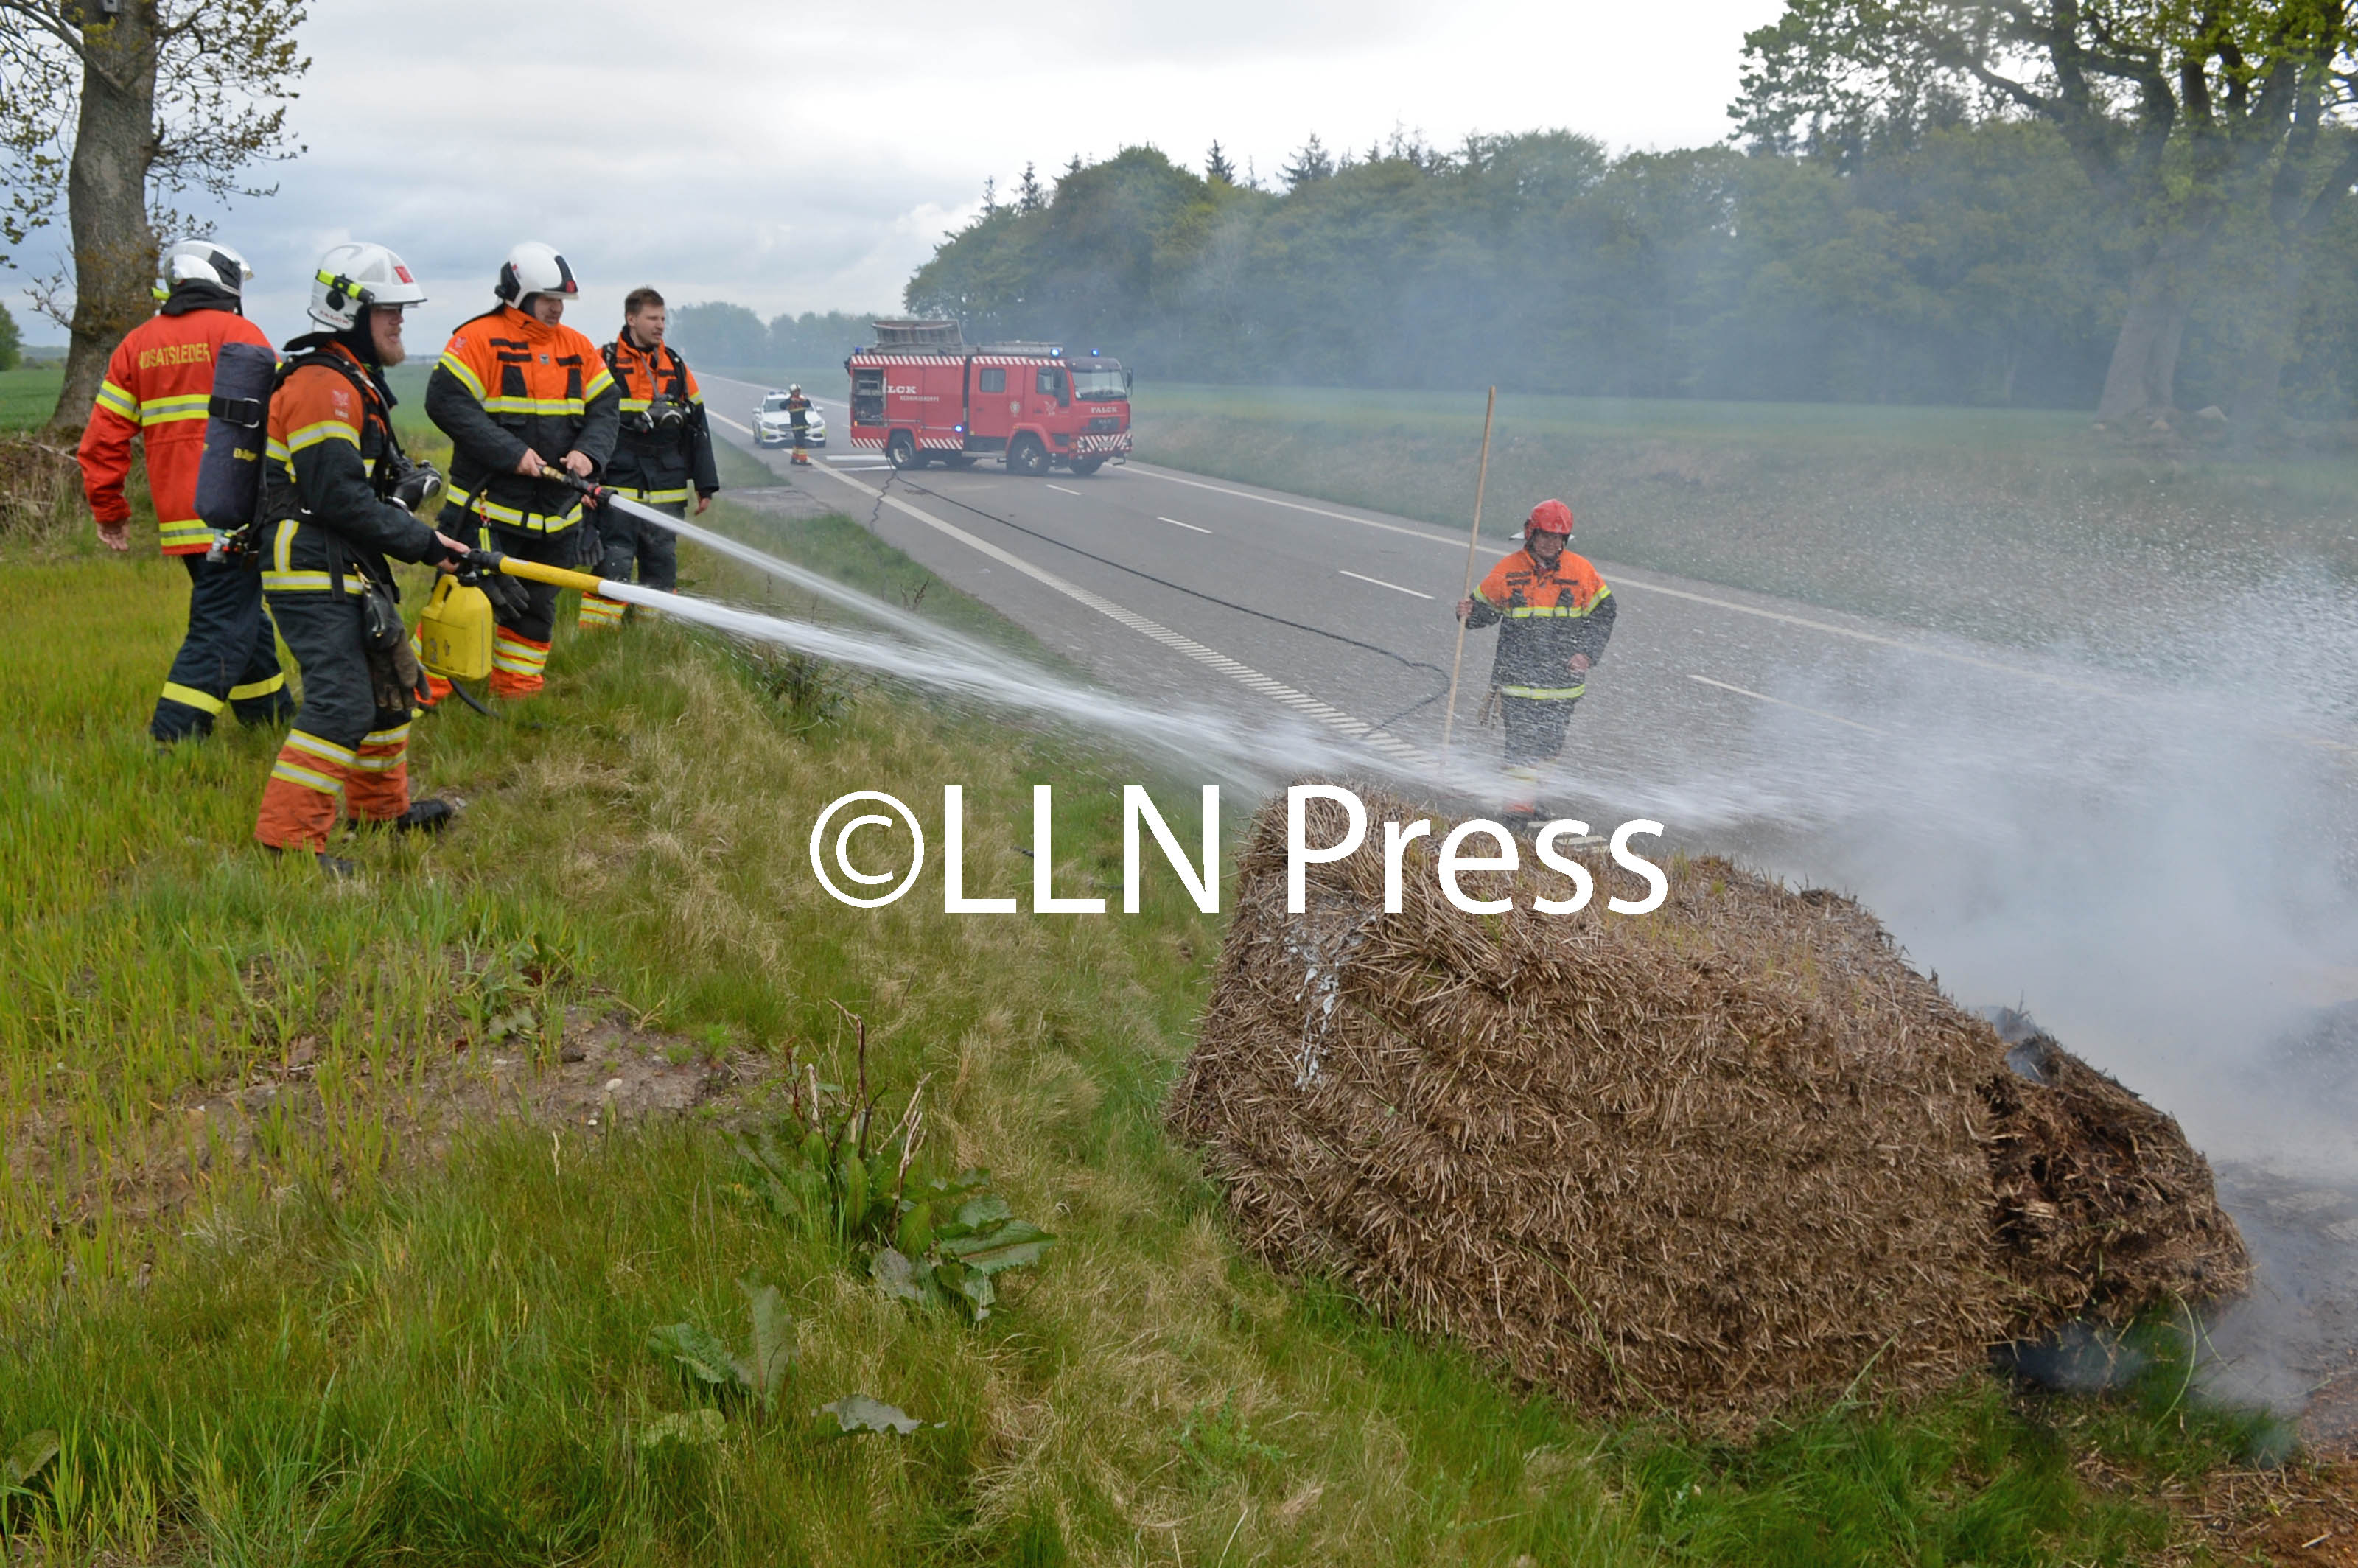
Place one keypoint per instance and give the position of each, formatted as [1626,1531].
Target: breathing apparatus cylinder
[229,478]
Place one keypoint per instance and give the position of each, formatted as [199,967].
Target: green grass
[28,397]
[290,1291]
[2015,526]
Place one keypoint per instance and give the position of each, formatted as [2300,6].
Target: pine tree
[1312,162]
[1029,197]
[1217,167]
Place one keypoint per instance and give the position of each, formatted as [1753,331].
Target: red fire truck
[922,395]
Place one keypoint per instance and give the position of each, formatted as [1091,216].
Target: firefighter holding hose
[158,385]
[336,501]
[520,392]
[1554,615]
[665,450]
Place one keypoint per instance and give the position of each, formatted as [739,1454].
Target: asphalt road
[2163,874]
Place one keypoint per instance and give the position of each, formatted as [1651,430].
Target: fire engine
[922,394]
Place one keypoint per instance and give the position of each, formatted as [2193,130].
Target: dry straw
[1707,1160]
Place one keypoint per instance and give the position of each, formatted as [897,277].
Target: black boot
[423,816]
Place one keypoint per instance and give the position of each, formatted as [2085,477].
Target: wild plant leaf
[978,1289]
[774,1343]
[892,1269]
[705,1356]
[1018,1244]
[29,1459]
[694,1428]
[857,1412]
[983,1209]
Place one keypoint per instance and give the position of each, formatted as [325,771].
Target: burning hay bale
[1706,1160]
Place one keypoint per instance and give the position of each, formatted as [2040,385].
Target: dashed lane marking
[1381,583]
[1062,490]
[1176,523]
[1780,702]
[1244,675]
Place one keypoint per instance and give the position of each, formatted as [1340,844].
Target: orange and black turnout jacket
[329,426]
[156,386]
[655,467]
[507,381]
[1546,617]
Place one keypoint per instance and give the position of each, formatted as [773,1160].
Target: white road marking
[1236,670]
[1062,490]
[732,424]
[1176,523]
[1780,702]
[1381,583]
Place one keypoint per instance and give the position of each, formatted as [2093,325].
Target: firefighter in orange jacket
[156,388]
[664,451]
[333,508]
[1554,615]
[521,394]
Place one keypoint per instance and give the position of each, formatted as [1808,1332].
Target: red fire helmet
[1550,517]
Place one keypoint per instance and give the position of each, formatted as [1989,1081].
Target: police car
[773,427]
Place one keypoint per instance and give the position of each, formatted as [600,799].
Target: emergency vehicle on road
[922,394]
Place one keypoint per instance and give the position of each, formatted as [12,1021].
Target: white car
[773,427]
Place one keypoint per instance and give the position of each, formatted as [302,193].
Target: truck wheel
[1027,457]
[1087,466]
[900,450]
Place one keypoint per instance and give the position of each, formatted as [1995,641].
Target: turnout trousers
[343,749]
[1535,731]
[632,545]
[229,658]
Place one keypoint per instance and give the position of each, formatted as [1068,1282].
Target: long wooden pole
[1472,544]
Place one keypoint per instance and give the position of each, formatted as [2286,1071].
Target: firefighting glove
[593,548]
[509,599]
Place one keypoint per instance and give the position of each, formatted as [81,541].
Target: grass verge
[296,1266]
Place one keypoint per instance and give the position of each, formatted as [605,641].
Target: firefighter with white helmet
[1555,616]
[520,396]
[798,416]
[156,389]
[337,498]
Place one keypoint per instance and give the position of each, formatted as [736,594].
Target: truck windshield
[1098,384]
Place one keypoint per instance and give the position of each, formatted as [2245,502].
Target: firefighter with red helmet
[156,390]
[523,397]
[664,451]
[337,500]
[1554,615]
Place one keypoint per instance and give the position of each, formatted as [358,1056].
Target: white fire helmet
[204,261]
[357,274]
[534,269]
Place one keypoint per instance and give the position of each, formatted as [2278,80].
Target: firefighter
[331,472]
[156,389]
[1558,616]
[665,450]
[799,416]
[521,394]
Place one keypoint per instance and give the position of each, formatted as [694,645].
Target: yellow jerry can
[454,636]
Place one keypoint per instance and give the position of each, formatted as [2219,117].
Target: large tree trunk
[106,195]
[2144,372]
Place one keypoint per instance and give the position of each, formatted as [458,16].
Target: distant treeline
[724,335]
[1964,264]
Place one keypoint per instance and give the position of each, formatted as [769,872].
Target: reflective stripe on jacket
[318,483]
[508,381]
[1547,618]
[659,469]
[158,383]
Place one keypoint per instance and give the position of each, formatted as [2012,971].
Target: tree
[721,334]
[1312,162]
[123,105]
[1217,167]
[1028,195]
[11,350]
[2172,111]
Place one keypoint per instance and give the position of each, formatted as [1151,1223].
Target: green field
[323,1238]
[2015,526]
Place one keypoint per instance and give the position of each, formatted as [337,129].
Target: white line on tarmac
[1381,583]
[1780,702]
[1236,670]
[1176,523]
[732,424]
[1062,490]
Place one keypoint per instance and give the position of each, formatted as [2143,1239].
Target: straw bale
[1705,1161]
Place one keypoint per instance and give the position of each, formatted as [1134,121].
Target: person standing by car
[523,397]
[799,417]
[157,388]
[665,450]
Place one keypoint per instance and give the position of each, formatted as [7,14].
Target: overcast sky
[793,157]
